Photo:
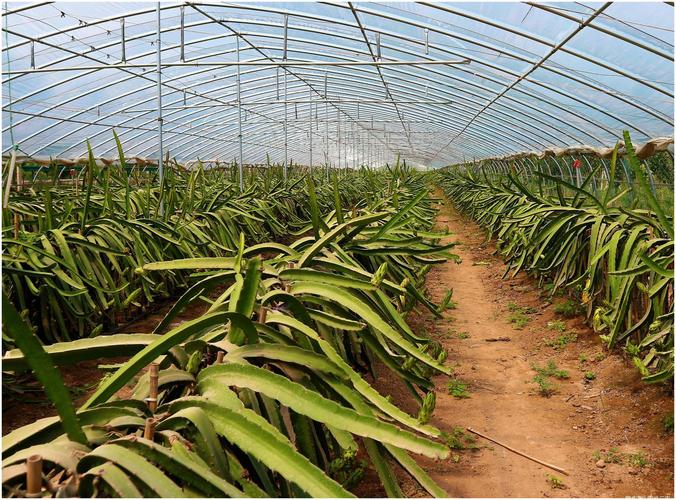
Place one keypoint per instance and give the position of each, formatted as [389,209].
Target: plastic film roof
[517,77]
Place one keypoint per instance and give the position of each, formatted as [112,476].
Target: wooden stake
[154,377]
[553,467]
[262,314]
[149,430]
[34,475]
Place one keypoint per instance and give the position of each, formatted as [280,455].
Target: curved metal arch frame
[460,37]
[559,72]
[295,15]
[199,41]
[169,48]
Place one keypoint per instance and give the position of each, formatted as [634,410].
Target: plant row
[70,248]
[619,260]
[267,393]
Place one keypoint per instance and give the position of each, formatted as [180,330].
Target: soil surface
[606,433]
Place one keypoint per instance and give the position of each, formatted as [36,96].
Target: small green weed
[458,389]
[551,370]
[557,325]
[589,375]
[668,422]
[637,459]
[519,320]
[514,307]
[555,482]
[561,341]
[583,358]
[545,387]
[463,335]
[520,315]
[599,356]
[458,439]
[568,308]
[447,335]
[612,456]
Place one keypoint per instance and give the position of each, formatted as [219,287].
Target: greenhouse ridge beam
[421,62]
[302,101]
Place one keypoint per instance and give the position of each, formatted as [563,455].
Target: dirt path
[582,417]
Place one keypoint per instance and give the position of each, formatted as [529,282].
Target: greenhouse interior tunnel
[329,249]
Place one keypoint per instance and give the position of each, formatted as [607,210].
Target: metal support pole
[310,131]
[123,42]
[326,122]
[378,49]
[286,36]
[239,122]
[160,164]
[286,131]
[183,34]
[338,134]
[354,147]
[345,142]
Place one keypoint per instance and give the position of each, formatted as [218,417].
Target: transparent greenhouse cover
[517,77]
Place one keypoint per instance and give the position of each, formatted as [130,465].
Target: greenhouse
[317,249]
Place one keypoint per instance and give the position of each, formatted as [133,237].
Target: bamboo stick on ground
[553,467]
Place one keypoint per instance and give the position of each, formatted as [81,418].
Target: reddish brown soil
[615,410]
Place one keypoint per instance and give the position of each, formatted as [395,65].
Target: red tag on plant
[576,163]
